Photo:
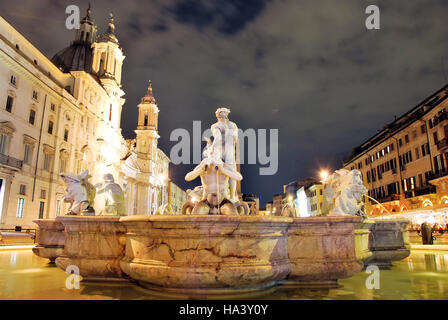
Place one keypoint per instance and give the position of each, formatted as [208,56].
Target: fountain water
[378,203]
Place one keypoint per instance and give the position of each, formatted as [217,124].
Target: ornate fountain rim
[88,218]
[206,218]
[328,219]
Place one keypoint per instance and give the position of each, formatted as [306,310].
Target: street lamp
[323,175]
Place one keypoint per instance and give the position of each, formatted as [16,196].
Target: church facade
[63,115]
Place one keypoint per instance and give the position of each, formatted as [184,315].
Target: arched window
[63,160]
[28,143]
[65,134]
[146,119]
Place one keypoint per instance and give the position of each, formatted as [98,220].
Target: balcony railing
[442,144]
[10,161]
[443,116]
[420,191]
[389,198]
[438,174]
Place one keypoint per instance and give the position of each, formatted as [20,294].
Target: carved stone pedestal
[93,244]
[362,239]
[50,239]
[206,254]
[322,250]
[388,242]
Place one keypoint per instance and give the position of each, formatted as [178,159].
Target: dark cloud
[309,68]
[228,17]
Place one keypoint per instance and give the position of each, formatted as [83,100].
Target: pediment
[7,127]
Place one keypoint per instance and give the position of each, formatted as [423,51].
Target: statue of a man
[225,145]
[114,196]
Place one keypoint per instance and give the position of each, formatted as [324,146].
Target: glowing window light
[445,200]
[427,203]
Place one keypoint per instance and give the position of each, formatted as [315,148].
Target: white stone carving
[164,209]
[344,194]
[218,172]
[114,195]
[225,144]
[79,192]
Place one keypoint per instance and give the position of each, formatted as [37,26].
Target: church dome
[76,57]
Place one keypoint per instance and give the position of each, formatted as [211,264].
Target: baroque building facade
[63,115]
[405,165]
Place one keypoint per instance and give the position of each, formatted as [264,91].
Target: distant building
[277,201]
[269,208]
[289,195]
[176,197]
[309,200]
[253,202]
[315,194]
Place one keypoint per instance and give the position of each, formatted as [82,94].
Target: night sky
[308,68]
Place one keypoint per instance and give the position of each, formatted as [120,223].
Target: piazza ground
[421,276]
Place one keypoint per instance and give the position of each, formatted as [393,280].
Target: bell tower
[108,56]
[147,136]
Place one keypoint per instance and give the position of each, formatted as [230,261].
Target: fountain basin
[322,250]
[206,254]
[94,244]
[50,239]
[388,242]
[362,239]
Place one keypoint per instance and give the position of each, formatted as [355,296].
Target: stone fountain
[378,242]
[214,247]
[324,249]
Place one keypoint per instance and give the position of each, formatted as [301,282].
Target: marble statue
[193,196]
[196,194]
[218,173]
[344,194]
[114,196]
[289,210]
[164,209]
[225,144]
[80,193]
